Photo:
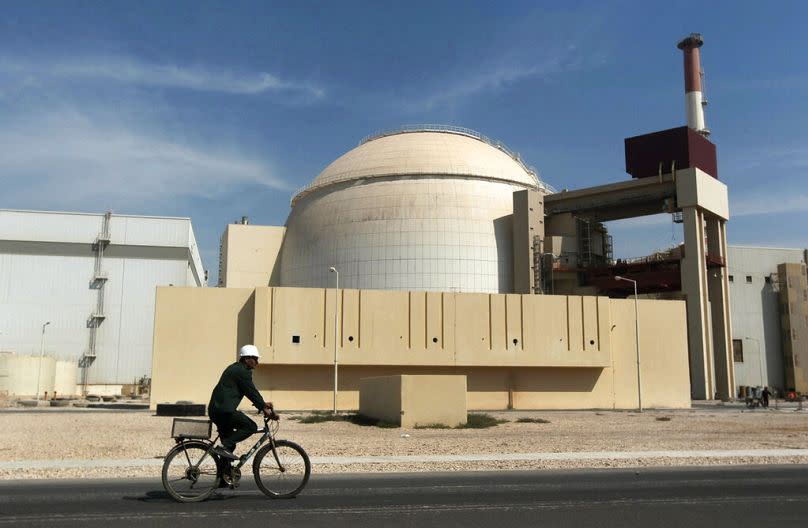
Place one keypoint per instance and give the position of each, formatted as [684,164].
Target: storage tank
[65,376]
[421,208]
[23,373]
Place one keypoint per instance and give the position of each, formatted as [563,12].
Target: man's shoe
[224,453]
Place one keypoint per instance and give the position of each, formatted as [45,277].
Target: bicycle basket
[191,429]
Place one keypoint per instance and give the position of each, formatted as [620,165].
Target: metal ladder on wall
[98,283]
[585,243]
[538,268]
[608,249]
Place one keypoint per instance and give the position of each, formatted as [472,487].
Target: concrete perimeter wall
[414,400]
[517,351]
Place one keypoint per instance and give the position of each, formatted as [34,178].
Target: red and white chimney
[694,97]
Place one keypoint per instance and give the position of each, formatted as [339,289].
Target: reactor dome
[420,208]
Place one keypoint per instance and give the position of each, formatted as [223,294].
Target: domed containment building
[418,209]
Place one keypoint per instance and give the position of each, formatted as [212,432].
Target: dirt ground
[85,435]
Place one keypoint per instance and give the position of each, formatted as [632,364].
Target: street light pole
[636,339]
[332,269]
[41,353]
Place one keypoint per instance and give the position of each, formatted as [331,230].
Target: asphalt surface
[676,497]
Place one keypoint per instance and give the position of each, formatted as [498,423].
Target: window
[737,350]
[732,278]
[749,279]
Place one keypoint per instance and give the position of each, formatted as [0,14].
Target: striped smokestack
[694,98]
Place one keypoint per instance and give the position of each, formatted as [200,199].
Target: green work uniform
[234,426]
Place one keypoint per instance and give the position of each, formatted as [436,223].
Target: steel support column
[718,286]
[694,286]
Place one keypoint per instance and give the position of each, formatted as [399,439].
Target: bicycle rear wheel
[190,473]
[284,480]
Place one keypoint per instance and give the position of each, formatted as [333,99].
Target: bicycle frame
[266,435]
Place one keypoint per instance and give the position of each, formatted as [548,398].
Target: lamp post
[636,339]
[41,353]
[332,269]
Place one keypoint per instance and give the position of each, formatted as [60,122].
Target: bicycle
[192,471]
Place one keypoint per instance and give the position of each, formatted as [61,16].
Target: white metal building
[754,301]
[422,208]
[93,278]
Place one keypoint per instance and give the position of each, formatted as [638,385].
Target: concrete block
[410,400]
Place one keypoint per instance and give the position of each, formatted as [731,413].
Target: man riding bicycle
[235,383]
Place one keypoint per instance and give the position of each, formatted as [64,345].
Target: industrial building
[436,250]
[769,314]
[78,290]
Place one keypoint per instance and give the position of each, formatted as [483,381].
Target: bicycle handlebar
[272,416]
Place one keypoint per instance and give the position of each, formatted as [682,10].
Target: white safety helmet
[249,351]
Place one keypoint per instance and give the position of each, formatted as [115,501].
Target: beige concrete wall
[381,398]
[569,352]
[379,327]
[663,353]
[249,254]
[527,222]
[794,324]
[696,188]
[197,333]
[411,400]
[433,400]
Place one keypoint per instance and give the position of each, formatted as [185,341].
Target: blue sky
[215,110]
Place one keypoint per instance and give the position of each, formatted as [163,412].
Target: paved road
[732,497]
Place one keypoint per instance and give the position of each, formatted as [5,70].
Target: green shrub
[480,421]
[473,421]
[358,419]
[320,418]
[354,418]
[532,420]
[663,418]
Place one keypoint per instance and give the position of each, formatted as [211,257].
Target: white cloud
[132,71]
[67,159]
[494,78]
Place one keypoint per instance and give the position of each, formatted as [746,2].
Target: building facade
[793,282]
[80,287]
[755,296]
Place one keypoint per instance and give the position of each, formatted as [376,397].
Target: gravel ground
[141,435]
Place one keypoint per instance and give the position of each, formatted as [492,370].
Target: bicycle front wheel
[190,472]
[285,476]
